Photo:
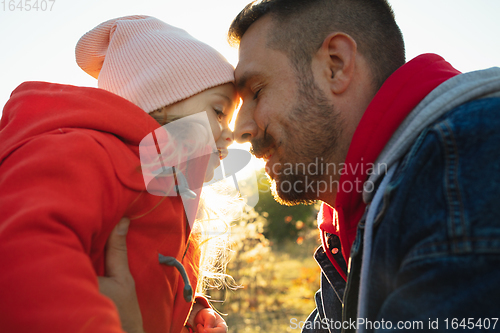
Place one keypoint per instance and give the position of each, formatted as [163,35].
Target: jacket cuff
[202,300]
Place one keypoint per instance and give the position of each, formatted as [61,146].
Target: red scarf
[397,97]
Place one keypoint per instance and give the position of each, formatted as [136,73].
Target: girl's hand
[209,321]
[119,285]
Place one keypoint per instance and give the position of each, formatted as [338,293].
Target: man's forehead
[256,34]
[252,49]
[246,69]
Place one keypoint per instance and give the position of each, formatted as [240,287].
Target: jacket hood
[37,108]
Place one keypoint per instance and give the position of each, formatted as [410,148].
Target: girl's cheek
[216,130]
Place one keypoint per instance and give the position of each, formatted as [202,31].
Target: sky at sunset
[39,45]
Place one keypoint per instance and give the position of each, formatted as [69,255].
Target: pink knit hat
[150,63]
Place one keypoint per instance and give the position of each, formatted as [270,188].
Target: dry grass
[277,284]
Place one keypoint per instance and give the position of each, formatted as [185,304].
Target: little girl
[70,169]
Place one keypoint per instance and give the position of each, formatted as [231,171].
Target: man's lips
[266,155]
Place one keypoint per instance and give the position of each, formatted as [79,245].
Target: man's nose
[245,128]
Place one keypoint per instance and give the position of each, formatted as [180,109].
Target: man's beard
[315,127]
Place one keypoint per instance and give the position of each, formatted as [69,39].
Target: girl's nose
[227,136]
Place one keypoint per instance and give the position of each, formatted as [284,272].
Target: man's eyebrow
[244,79]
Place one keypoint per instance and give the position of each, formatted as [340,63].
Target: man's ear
[338,55]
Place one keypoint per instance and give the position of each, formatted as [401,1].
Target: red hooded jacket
[69,171]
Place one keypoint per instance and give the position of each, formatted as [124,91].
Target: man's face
[289,120]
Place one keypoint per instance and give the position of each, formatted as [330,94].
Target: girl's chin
[213,163]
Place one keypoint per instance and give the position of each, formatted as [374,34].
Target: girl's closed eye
[220,113]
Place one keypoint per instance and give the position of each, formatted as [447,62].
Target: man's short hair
[300,27]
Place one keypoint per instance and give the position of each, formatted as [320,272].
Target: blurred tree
[283,222]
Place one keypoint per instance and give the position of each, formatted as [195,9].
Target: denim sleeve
[327,317]
[436,262]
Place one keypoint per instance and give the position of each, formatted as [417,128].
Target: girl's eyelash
[219,113]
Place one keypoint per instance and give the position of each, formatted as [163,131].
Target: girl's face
[219,104]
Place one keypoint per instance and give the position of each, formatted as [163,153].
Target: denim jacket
[435,239]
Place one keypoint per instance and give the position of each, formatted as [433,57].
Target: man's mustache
[260,146]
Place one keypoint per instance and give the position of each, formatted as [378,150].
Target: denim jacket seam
[457,219]
[442,249]
[394,183]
